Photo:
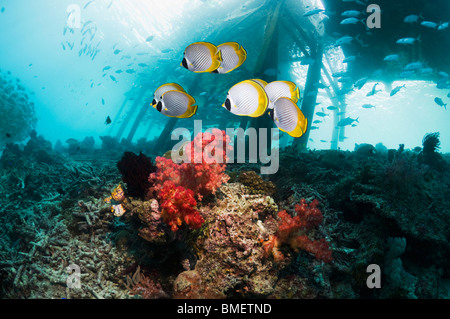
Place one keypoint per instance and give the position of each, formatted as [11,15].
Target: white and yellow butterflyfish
[233,55]
[277,89]
[247,98]
[163,89]
[288,117]
[177,104]
[201,57]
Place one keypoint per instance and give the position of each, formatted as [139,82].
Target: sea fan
[431,143]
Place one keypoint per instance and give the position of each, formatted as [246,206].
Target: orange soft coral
[205,172]
[291,230]
[178,205]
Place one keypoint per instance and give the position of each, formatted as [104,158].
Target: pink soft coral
[290,231]
[206,171]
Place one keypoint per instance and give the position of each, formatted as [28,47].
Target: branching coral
[291,230]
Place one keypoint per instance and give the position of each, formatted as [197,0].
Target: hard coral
[291,230]
[231,262]
[203,173]
[178,205]
[255,184]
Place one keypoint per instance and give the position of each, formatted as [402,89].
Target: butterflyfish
[247,98]
[232,56]
[278,89]
[177,104]
[201,57]
[260,82]
[288,117]
[165,88]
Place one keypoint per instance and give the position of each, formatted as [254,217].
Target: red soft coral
[206,171]
[178,205]
[289,232]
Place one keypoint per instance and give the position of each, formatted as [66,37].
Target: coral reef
[230,256]
[233,241]
[232,259]
[369,199]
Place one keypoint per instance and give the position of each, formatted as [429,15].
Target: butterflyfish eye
[228,104]
[153,102]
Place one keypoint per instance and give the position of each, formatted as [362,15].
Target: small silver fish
[429,24]
[412,18]
[439,102]
[443,26]
[396,89]
[349,21]
[374,90]
[313,12]
[392,57]
[407,41]
[360,83]
[343,40]
[347,121]
[351,13]
[413,66]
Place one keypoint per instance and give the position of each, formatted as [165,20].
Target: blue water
[60,80]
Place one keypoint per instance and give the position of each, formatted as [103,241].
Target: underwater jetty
[123,220]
